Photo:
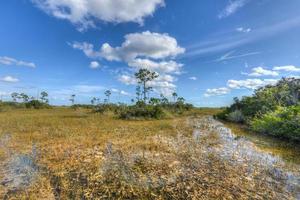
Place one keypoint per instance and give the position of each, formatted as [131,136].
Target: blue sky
[208,51]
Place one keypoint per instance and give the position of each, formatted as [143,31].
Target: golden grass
[83,155]
[68,139]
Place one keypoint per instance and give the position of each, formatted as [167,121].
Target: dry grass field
[63,153]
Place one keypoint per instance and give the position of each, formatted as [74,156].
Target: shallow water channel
[279,158]
[287,151]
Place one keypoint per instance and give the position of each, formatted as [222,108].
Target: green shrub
[85,106]
[222,115]
[266,99]
[36,104]
[142,112]
[283,122]
[236,116]
[177,107]
[104,108]
[4,106]
[30,104]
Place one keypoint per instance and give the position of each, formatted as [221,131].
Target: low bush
[222,115]
[236,116]
[142,112]
[85,106]
[106,108]
[11,105]
[177,108]
[284,122]
[36,104]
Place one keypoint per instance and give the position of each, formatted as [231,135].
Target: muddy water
[245,150]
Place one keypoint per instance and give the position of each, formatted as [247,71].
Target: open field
[63,153]
[149,100]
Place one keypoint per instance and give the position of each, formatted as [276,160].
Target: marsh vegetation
[155,148]
[64,153]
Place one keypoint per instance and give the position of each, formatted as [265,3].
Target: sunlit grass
[80,154]
[69,140]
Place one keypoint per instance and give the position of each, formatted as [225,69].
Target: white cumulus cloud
[127,79]
[164,84]
[217,92]
[84,13]
[153,51]
[193,78]
[250,83]
[94,65]
[4,60]
[259,71]
[9,79]
[86,48]
[287,68]
[140,50]
[145,44]
[162,66]
[163,87]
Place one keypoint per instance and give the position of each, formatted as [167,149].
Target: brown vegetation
[83,155]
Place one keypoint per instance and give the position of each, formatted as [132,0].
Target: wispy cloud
[80,89]
[228,42]
[243,30]
[232,7]
[121,92]
[88,88]
[193,78]
[230,56]
[4,60]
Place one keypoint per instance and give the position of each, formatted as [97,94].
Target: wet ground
[247,149]
[287,150]
[212,162]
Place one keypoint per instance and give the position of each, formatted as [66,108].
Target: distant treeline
[22,100]
[273,110]
[143,107]
[140,110]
